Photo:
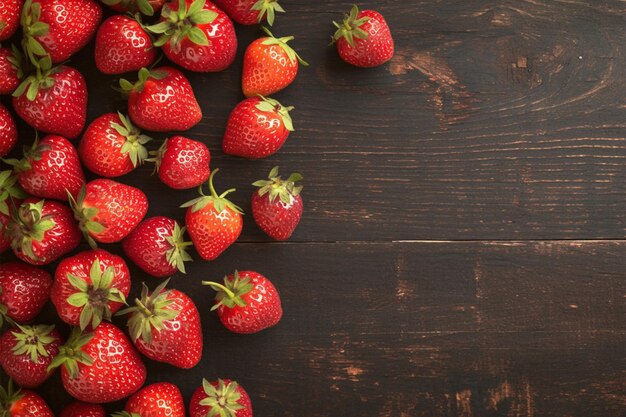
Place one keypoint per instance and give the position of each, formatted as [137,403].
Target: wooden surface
[462,249]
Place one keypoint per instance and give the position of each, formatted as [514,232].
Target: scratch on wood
[464,404]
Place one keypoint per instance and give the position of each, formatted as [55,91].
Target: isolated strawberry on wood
[10,11]
[81,409]
[182,163]
[8,131]
[24,290]
[251,12]
[22,403]
[220,398]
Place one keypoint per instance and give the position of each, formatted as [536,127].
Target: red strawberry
[42,231]
[162,100]
[157,400]
[101,366]
[122,45]
[22,403]
[269,65]
[10,72]
[220,398]
[8,131]
[197,35]
[257,128]
[26,352]
[24,290]
[79,409]
[165,326]
[147,7]
[251,12]
[278,217]
[182,163]
[108,211]
[213,222]
[157,247]
[90,286]
[363,38]
[247,302]
[111,146]
[9,17]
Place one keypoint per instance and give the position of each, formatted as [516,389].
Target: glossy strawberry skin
[30,404]
[198,410]
[157,400]
[122,46]
[240,11]
[80,409]
[267,69]
[373,51]
[147,245]
[124,6]
[10,14]
[184,163]
[212,232]
[8,131]
[24,290]
[8,73]
[277,218]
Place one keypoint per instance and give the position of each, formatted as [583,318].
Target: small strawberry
[247,302]
[165,326]
[100,366]
[42,231]
[363,38]
[24,290]
[162,100]
[10,196]
[257,128]
[9,17]
[122,45]
[90,286]
[80,409]
[182,163]
[220,398]
[157,400]
[8,131]
[269,65]
[157,246]
[22,403]
[213,222]
[26,352]
[111,146]
[10,69]
[147,7]
[278,217]
[251,12]
[197,35]
[108,211]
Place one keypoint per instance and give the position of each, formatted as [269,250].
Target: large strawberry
[122,45]
[111,146]
[80,409]
[247,302]
[165,326]
[197,35]
[27,351]
[10,69]
[157,246]
[269,65]
[8,131]
[24,290]
[100,366]
[250,12]
[363,38]
[182,163]
[89,287]
[257,128]
[213,222]
[220,398]
[22,403]
[147,7]
[162,100]
[10,196]
[9,17]
[42,231]
[277,204]
[157,400]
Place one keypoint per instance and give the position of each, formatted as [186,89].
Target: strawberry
[251,12]
[10,196]
[108,211]
[247,302]
[157,247]
[42,231]
[9,17]
[162,100]
[122,45]
[10,69]
[257,128]
[22,403]
[182,163]
[157,400]
[269,65]
[26,352]
[111,146]
[165,326]
[278,217]
[363,38]
[147,7]
[24,290]
[8,131]
[80,409]
[220,398]
[197,35]
[100,366]
[90,286]
[213,222]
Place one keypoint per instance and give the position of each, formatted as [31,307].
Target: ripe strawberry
[363,38]
[220,398]
[277,217]
[247,302]
[165,326]
[90,286]
[122,45]
[182,163]
[111,146]
[100,366]
[269,65]
[22,403]
[162,100]
[79,409]
[24,290]
[9,17]
[42,231]
[213,222]
[197,35]
[257,128]
[251,12]
[157,400]
[8,131]
[108,211]
[147,7]
[10,69]
[157,246]
[26,352]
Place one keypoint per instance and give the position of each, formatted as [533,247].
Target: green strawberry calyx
[350,28]
[9,190]
[133,147]
[270,105]
[8,397]
[157,156]
[29,225]
[230,294]
[176,25]
[267,8]
[34,153]
[223,400]
[177,255]
[220,203]
[32,341]
[282,42]
[125,414]
[143,75]
[132,6]
[16,59]
[41,79]
[33,29]
[85,216]
[71,353]
[275,186]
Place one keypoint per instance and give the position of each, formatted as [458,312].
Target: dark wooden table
[462,248]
